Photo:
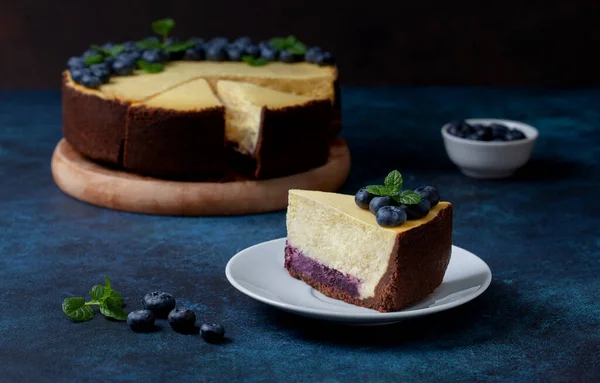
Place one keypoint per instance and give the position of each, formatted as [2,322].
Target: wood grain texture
[377,42]
[113,189]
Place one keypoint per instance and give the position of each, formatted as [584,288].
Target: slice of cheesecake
[276,133]
[177,134]
[340,250]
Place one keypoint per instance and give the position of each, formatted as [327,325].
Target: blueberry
[159,303]
[483,132]
[465,129]
[390,216]
[76,62]
[379,202]
[89,52]
[198,41]
[363,198]
[418,210]
[430,193]
[287,57]
[252,50]
[194,54]
[132,56]
[514,134]
[172,40]
[123,67]
[154,56]
[130,46]
[312,54]
[141,320]
[109,61]
[107,46]
[234,53]
[454,127]
[102,71]
[498,130]
[216,53]
[212,333]
[182,320]
[473,137]
[78,73]
[90,81]
[325,58]
[498,139]
[219,42]
[242,42]
[269,53]
[152,38]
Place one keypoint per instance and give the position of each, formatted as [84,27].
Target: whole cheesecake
[269,130]
[340,249]
[154,124]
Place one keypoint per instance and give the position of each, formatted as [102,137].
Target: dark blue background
[539,232]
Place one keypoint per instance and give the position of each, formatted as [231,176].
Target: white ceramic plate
[259,273]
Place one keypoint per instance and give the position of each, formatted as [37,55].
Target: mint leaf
[180,46]
[94,59]
[149,44]
[116,298]
[408,197]
[76,309]
[116,49]
[150,67]
[107,282]
[379,190]
[163,27]
[113,307]
[259,61]
[278,43]
[100,50]
[393,181]
[290,41]
[298,48]
[97,292]
[115,313]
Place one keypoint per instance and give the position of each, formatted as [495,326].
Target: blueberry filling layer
[296,261]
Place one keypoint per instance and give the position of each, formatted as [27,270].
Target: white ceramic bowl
[490,159]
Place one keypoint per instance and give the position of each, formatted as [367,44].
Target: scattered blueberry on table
[182,320]
[212,333]
[160,303]
[141,320]
[494,132]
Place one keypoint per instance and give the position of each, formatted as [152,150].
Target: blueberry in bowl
[488,148]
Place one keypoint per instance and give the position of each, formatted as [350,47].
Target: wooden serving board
[114,189]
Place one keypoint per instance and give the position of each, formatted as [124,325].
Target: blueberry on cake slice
[384,248]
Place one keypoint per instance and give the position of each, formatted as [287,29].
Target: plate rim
[371,317]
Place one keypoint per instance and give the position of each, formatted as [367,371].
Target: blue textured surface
[539,232]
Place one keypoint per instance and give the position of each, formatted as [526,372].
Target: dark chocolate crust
[175,145]
[93,125]
[416,267]
[293,139]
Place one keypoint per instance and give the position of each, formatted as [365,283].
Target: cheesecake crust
[415,269]
[93,125]
[175,144]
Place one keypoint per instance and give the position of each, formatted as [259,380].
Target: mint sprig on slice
[180,46]
[290,44]
[113,51]
[94,59]
[391,188]
[108,301]
[150,67]
[163,27]
[252,61]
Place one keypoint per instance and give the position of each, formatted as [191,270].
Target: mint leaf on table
[163,27]
[258,61]
[393,181]
[408,197]
[149,44]
[180,46]
[97,292]
[150,67]
[76,309]
[94,59]
[108,301]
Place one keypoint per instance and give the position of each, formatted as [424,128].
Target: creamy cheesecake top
[345,204]
[193,95]
[260,96]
